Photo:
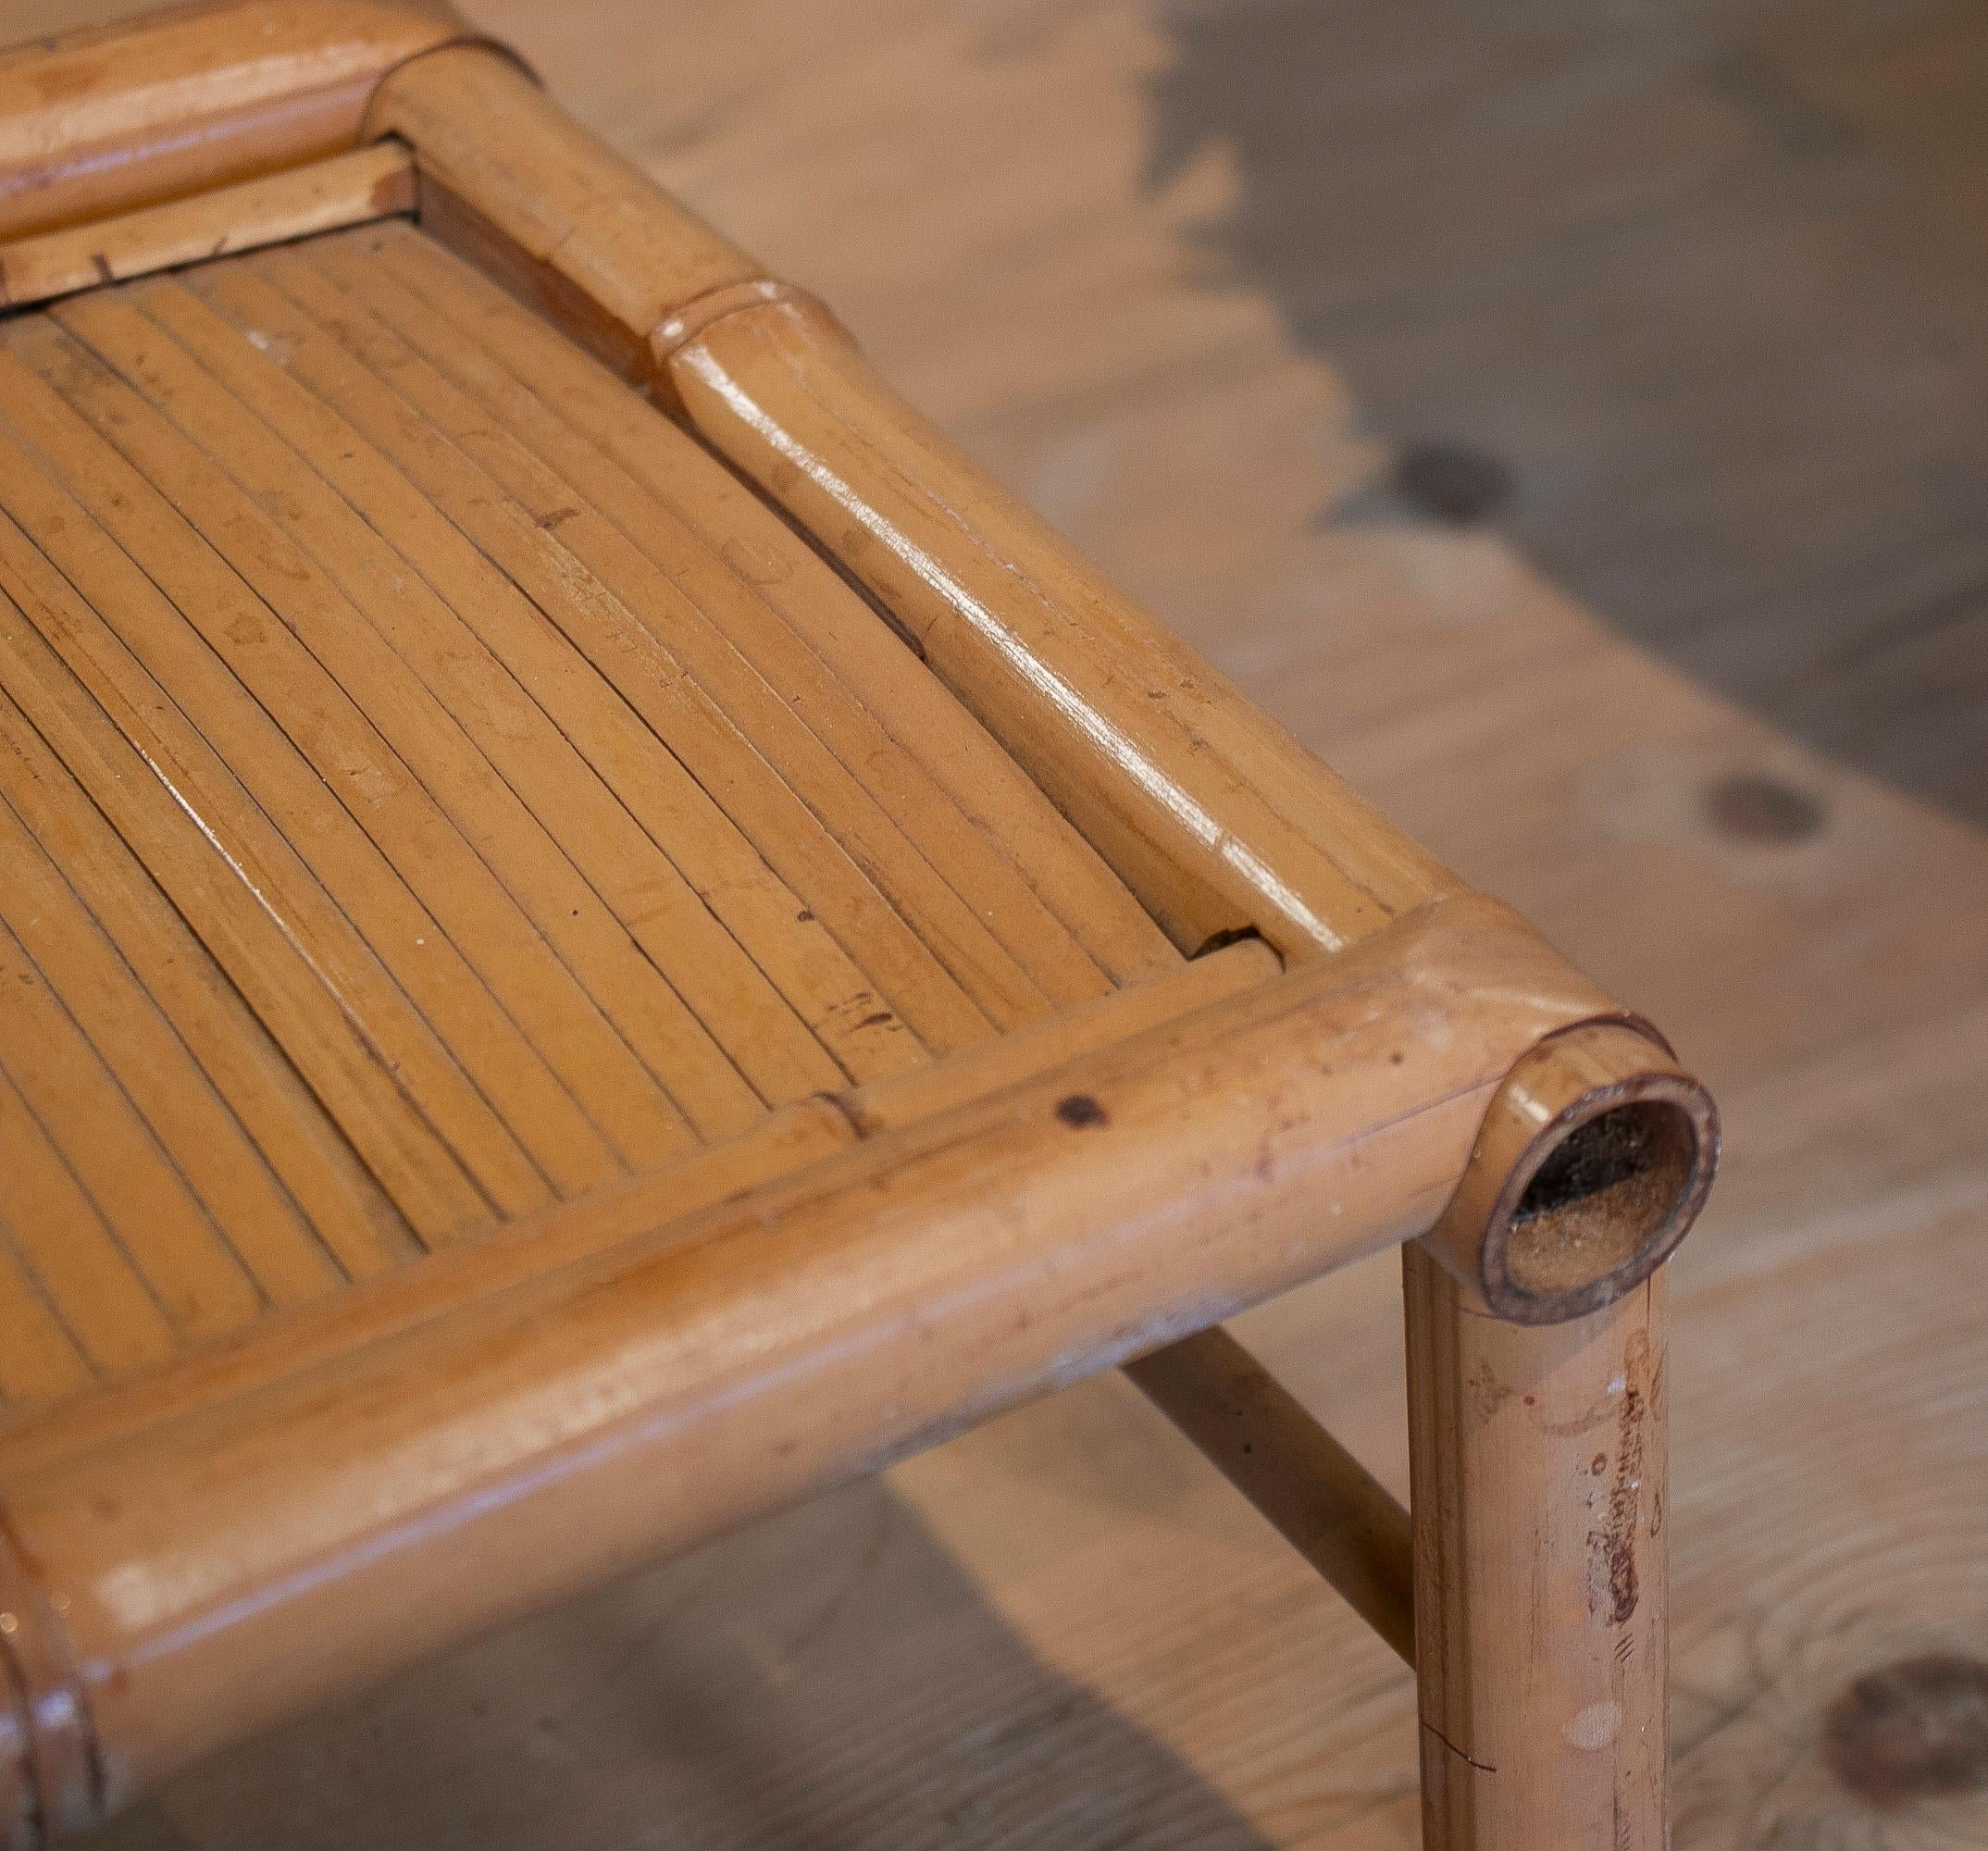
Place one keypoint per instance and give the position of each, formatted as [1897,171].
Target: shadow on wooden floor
[1688,297]
[775,1691]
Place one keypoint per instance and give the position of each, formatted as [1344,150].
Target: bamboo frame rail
[349,188]
[1097,1150]
[1123,1237]
[121,116]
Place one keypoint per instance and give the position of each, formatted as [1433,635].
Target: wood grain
[1724,205]
[1149,1664]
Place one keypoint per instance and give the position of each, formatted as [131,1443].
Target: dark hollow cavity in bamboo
[1592,1164]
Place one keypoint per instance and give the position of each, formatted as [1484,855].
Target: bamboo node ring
[686,322]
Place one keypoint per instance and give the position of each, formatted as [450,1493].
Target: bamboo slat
[40,1357]
[565,535]
[164,599]
[182,1257]
[247,483]
[627,535]
[284,965]
[596,632]
[70,1255]
[891,689]
[656,851]
[522,1026]
[345,190]
[63,948]
[347,1207]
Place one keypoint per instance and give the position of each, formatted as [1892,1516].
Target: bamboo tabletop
[609,934]
[795,1687]
[603,896]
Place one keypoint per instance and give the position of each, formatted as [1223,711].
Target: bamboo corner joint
[1319,1044]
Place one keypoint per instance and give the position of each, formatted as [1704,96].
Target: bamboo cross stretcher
[599,933]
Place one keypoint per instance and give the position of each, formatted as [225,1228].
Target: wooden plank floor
[1570,421]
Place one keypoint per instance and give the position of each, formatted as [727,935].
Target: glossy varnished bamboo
[1203,809]
[464,673]
[1538,1470]
[1146,1660]
[371,182]
[788,1140]
[113,119]
[1211,815]
[263,570]
[671,1384]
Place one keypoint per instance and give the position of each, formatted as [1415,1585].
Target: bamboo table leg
[1327,1506]
[1537,1466]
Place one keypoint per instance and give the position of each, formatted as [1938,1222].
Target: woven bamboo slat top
[601,933]
[433,787]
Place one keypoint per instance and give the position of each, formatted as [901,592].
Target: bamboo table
[599,933]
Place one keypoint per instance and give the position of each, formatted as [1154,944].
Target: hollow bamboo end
[1593,1162]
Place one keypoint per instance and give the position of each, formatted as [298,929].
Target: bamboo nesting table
[599,933]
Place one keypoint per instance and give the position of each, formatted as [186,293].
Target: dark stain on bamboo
[1612,1547]
[1080,1111]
